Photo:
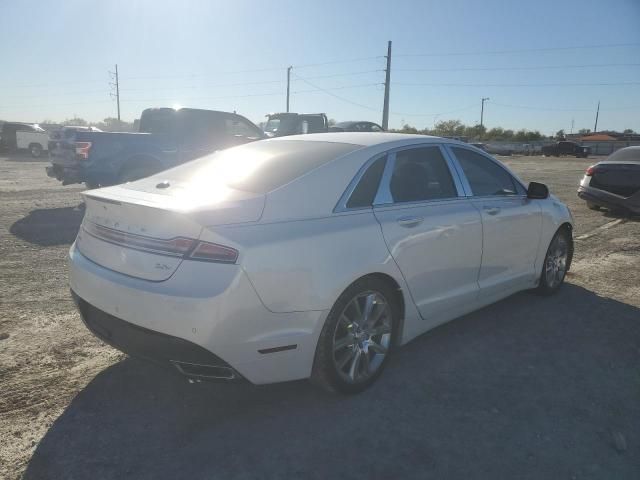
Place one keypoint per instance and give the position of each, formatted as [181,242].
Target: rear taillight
[173,247]
[82,149]
[213,252]
[590,171]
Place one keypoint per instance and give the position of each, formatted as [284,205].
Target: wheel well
[33,144]
[399,298]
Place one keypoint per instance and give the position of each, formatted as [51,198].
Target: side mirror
[537,191]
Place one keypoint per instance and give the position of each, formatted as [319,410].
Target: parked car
[614,183]
[566,148]
[68,131]
[356,126]
[24,136]
[310,257]
[167,137]
[283,124]
[496,149]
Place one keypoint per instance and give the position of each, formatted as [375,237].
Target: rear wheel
[556,263]
[355,341]
[36,150]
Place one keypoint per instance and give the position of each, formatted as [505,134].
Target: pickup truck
[24,136]
[282,124]
[566,148]
[167,137]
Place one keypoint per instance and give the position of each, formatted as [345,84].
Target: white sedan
[310,256]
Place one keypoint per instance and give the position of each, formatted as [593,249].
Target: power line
[404,114]
[336,62]
[523,50]
[346,100]
[542,67]
[598,84]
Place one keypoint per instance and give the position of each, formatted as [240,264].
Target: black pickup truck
[167,138]
[566,148]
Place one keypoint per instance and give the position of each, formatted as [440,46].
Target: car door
[511,223]
[433,232]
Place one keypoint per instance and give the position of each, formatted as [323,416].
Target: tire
[91,185]
[556,263]
[36,150]
[136,172]
[593,206]
[363,360]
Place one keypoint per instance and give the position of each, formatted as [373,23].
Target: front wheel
[354,345]
[556,263]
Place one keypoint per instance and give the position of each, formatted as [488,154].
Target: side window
[375,128]
[421,174]
[485,176]
[365,192]
[237,126]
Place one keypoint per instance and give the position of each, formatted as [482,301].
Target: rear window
[260,167]
[625,155]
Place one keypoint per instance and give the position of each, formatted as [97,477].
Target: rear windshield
[260,167]
[626,155]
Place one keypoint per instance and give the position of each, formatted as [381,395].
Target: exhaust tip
[213,372]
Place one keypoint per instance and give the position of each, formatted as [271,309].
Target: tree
[628,131]
[477,131]
[449,128]
[560,134]
[332,122]
[584,131]
[81,122]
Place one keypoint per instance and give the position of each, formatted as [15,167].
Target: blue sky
[233,56]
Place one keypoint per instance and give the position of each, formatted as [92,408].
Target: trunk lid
[134,228]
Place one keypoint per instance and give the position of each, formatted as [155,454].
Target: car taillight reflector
[173,247]
[176,247]
[82,149]
[213,252]
[590,171]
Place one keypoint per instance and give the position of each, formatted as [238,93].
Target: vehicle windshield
[272,125]
[258,167]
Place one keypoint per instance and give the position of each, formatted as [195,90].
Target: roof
[598,137]
[365,139]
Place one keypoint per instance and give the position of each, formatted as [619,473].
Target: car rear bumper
[188,358]
[206,315]
[609,200]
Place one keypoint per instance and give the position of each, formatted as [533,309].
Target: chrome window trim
[449,148]
[341,206]
[384,198]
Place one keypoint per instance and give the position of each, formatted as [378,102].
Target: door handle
[410,222]
[491,210]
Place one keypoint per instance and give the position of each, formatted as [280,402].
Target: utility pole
[288,85]
[117,94]
[572,123]
[595,128]
[387,87]
[484,99]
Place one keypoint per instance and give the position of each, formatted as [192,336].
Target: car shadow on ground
[24,158]
[531,387]
[50,226]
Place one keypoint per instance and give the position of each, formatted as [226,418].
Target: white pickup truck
[24,136]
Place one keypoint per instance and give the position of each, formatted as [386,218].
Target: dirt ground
[528,388]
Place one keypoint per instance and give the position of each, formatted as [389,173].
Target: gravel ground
[529,387]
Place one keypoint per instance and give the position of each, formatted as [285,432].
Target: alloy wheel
[362,337]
